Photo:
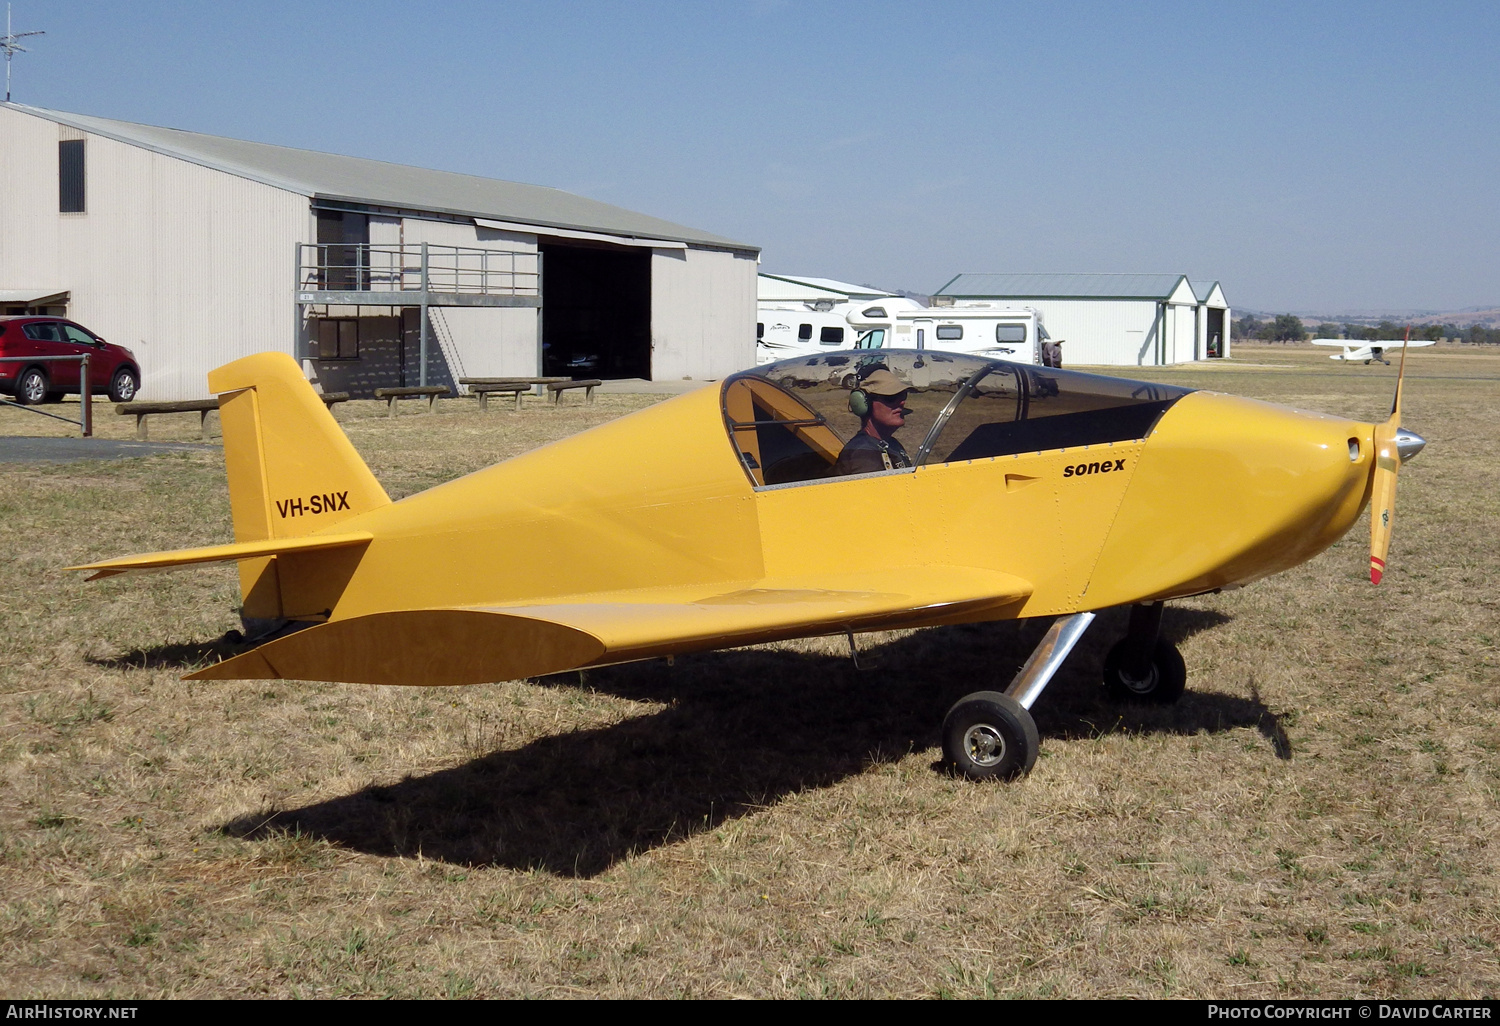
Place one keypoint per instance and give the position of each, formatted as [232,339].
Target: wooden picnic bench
[202,407]
[430,392]
[588,385]
[513,380]
[486,388]
[483,387]
[142,410]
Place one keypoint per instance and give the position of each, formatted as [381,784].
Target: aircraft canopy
[790,420]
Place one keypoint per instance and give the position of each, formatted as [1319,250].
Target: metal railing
[85,397]
[417,267]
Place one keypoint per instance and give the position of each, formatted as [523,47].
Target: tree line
[1289,328]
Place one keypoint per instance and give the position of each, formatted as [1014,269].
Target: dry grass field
[1316,818]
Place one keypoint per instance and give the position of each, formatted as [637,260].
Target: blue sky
[1326,157]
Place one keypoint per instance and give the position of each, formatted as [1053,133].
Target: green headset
[859,403]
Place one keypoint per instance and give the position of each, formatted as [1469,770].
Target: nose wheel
[1143,666]
[1161,679]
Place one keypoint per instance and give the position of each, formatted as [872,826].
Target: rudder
[292,473]
[292,470]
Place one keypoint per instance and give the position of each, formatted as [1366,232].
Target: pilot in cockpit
[880,404]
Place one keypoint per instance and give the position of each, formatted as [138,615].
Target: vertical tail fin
[292,471]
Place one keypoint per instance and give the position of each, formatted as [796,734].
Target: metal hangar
[1143,320]
[194,250]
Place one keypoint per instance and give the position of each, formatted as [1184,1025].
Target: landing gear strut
[992,735]
[987,734]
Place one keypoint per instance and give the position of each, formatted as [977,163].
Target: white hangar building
[1145,320]
[785,288]
[194,250]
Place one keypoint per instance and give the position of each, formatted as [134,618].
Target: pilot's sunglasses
[893,401]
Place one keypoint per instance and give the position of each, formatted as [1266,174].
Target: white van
[790,329]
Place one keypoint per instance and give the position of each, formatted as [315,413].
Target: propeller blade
[1400,377]
[1383,501]
[1387,465]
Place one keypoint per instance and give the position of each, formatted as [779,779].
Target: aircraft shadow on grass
[192,655]
[741,729]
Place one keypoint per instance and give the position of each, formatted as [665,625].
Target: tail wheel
[1160,681]
[31,386]
[988,736]
[123,386]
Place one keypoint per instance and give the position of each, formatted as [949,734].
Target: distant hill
[1485,316]
[1488,316]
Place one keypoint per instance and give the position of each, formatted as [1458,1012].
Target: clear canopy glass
[789,421]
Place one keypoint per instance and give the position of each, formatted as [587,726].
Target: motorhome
[802,329]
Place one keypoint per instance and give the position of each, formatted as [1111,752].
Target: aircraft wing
[1359,343]
[474,645]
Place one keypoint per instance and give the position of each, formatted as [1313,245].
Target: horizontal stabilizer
[221,553]
[481,645]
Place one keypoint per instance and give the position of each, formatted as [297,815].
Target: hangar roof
[799,287]
[1063,286]
[1206,291]
[328,176]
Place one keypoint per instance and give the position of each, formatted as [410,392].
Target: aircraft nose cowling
[1229,490]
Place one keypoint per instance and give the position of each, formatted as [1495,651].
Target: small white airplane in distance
[1366,351]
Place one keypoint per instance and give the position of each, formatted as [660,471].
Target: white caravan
[796,329]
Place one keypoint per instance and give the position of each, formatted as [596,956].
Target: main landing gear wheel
[988,735]
[1161,681]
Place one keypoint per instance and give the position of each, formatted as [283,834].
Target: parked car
[112,369]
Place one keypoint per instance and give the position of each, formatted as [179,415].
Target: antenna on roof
[10,48]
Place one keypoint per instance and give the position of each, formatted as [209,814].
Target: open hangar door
[1213,345]
[596,311]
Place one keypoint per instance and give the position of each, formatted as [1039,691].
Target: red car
[112,368]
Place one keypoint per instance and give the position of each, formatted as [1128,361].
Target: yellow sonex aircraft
[983,490]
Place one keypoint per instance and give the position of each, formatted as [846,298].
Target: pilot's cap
[883,382]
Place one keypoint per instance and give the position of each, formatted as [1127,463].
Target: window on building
[342,238]
[70,177]
[1010,333]
[338,338]
[950,332]
[831,337]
